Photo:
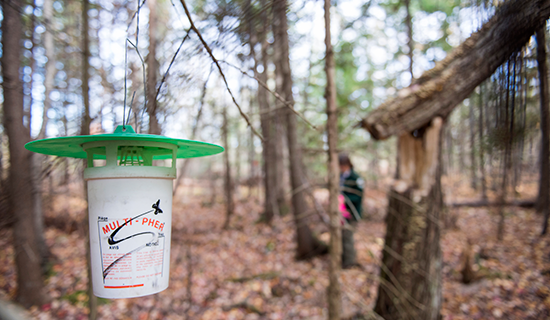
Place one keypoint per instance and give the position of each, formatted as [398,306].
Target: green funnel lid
[72,146]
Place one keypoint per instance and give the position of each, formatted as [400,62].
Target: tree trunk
[410,41]
[454,78]
[228,184]
[279,116]
[544,182]
[410,284]
[473,168]
[30,286]
[482,146]
[449,146]
[183,168]
[37,159]
[461,129]
[152,69]
[85,130]
[49,69]
[334,294]
[308,245]
[268,146]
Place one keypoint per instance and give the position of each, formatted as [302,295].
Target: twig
[244,305]
[172,62]
[188,14]
[263,276]
[135,14]
[275,94]
[144,78]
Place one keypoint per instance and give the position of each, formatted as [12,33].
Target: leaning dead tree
[410,275]
[453,79]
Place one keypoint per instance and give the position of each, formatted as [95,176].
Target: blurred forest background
[255,77]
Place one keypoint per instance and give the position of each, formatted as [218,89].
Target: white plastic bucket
[130,216]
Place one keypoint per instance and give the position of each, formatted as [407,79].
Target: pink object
[342,207]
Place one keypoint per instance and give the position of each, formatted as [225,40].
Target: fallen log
[485,203]
[454,78]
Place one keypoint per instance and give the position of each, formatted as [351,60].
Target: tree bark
[473,168]
[30,286]
[38,159]
[453,79]
[228,184]
[544,183]
[334,294]
[308,245]
[85,130]
[49,68]
[482,146]
[152,69]
[279,119]
[410,41]
[183,168]
[410,285]
[268,146]
[86,118]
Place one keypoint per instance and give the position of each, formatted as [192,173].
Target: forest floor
[249,271]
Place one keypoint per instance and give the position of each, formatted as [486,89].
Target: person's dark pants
[348,246]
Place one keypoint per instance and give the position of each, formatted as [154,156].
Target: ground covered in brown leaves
[249,271]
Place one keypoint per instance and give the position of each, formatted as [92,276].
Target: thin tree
[482,146]
[85,130]
[183,168]
[227,182]
[30,285]
[278,117]
[544,182]
[335,245]
[410,41]
[268,146]
[38,159]
[152,69]
[473,169]
[308,245]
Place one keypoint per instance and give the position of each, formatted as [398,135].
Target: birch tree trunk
[335,245]
[49,68]
[30,285]
[308,245]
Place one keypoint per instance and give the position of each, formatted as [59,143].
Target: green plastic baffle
[129,178]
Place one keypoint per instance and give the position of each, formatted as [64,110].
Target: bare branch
[144,77]
[188,14]
[275,94]
[172,62]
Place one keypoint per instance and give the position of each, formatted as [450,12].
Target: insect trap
[129,178]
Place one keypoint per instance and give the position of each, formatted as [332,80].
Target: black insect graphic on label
[112,240]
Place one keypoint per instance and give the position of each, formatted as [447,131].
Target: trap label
[132,249]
